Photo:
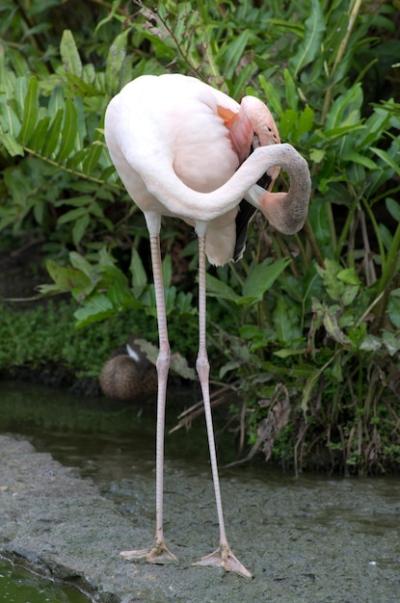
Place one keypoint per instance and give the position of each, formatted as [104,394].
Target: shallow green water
[17,585]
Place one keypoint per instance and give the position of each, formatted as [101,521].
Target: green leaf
[115,59]
[234,52]
[40,134]
[69,54]
[311,45]
[96,308]
[139,277]
[394,308]
[345,111]
[217,288]
[80,263]
[9,120]
[393,208]
[31,109]
[79,229]
[229,366]
[69,131]
[179,365]
[167,270]
[349,276]
[386,236]
[306,121]
[286,320]
[92,156]
[387,159]
[148,349]
[12,147]
[272,96]
[334,287]
[370,343]
[332,328]
[349,295]
[375,125]
[391,342]
[288,121]
[20,92]
[262,277]
[75,159]
[117,286]
[290,90]
[72,215]
[68,279]
[361,160]
[342,131]
[307,390]
[53,134]
[288,352]
[170,299]
[317,155]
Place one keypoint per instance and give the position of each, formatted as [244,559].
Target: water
[312,539]
[17,585]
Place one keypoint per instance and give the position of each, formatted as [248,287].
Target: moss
[47,335]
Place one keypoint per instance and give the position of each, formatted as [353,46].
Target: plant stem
[302,250]
[391,262]
[388,273]
[178,45]
[71,171]
[313,242]
[286,253]
[345,231]
[371,216]
[331,225]
[339,55]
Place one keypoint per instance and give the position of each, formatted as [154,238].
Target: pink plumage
[183,149]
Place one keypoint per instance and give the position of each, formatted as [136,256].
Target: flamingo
[186,150]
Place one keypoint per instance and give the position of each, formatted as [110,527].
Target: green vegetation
[46,335]
[316,316]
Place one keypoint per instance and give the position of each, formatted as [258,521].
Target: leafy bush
[320,312]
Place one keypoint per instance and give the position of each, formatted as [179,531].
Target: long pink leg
[223,556]
[159,553]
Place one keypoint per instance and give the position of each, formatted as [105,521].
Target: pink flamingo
[186,150]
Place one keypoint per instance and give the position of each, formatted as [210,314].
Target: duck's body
[128,375]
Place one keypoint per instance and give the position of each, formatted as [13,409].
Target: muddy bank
[307,541]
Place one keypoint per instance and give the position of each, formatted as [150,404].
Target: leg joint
[202,365]
[163,358]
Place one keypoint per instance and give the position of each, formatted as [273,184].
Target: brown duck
[128,374]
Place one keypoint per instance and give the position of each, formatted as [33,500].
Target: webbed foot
[224,557]
[159,553]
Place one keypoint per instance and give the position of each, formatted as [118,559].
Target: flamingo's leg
[158,553]
[223,556]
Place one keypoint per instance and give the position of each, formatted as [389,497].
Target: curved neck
[182,201]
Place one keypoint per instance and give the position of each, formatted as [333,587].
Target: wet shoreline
[325,541]
[77,487]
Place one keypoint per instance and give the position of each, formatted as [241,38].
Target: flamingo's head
[264,127]
[285,211]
